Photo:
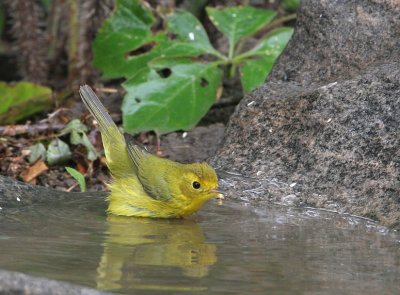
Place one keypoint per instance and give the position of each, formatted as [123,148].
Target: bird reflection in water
[137,250]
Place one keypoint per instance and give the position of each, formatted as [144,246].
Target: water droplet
[191,36]
[18,199]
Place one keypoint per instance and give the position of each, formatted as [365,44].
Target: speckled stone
[336,39]
[328,119]
[21,284]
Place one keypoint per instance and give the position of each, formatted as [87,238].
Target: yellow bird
[145,185]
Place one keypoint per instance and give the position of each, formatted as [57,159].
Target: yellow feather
[143,184]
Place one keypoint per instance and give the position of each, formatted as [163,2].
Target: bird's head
[199,182]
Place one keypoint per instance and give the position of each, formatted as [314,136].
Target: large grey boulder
[325,126]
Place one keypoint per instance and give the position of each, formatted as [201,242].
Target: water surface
[230,248]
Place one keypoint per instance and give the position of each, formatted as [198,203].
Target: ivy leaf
[273,43]
[170,95]
[126,31]
[21,100]
[125,44]
[239,22]
[91,151]
[57,152]
[77,131]
[37,151]
[254,71]
[74,125]
[190,36]
[78,177]
[126,47]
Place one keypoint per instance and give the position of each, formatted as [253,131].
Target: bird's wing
[150,172]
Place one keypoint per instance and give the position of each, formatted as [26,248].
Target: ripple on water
[232,248]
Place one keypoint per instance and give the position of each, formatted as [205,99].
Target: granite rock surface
[324,129]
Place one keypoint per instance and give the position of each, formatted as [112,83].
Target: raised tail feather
[97,110]
[118,160]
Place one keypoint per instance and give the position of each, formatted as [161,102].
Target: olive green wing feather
[151,172]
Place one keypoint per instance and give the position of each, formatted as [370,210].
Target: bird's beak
[219,195]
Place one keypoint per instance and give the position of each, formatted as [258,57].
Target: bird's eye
[196,185]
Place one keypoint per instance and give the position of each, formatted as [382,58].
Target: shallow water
[229,248]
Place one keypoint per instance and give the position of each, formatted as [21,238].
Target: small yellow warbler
[143,184]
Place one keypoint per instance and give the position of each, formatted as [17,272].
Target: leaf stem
[219,62]
[244,55]
[231,50]
[275,23]
[222,57]
[263,31]
[281,20]
[232,70]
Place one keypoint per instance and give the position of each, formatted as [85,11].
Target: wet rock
[193,146]
[15,195]
[290,200]
[328,118]
[18,283]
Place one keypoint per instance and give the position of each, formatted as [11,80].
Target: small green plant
[58,151]
[173,76]
[78,177]
[77,131]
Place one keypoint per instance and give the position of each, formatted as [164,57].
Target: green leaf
[190,35]
[74,125]
[78,177]
[92,153]
[273,43]
[77,131]
[127,30]
[172,95]
[254,71]
[21,100]
[126,47]
[58,152]
[239,22]
[291,5]
[37,151]
[125,44]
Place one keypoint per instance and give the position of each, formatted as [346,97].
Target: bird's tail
[98,111]
[113,141]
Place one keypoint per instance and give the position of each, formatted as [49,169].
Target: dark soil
[195,145]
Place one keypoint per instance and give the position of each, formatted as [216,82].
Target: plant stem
[232,71]
[234,59]
[219,62]
[231,50]
[220,56]
[282,20]
[275,23]
[239,57]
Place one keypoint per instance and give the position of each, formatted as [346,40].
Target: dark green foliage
[173,76]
